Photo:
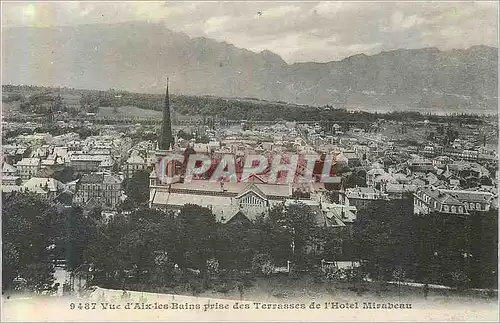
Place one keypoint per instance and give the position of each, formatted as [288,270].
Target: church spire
[166,138]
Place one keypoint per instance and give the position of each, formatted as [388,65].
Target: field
[128,111]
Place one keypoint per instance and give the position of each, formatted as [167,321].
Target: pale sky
[297,31]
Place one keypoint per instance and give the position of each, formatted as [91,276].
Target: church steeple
[166,139]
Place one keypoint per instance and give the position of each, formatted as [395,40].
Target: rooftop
[29,162]
[44,184]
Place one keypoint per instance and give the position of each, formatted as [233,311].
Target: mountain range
[137,56]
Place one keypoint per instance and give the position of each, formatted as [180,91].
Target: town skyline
[147,160]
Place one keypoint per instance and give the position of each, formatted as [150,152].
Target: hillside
[138,56]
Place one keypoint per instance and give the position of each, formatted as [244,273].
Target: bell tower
[166,141]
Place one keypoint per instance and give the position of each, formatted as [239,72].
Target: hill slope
[137,57]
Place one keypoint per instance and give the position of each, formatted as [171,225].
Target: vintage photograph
[244,161]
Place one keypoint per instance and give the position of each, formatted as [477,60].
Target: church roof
[239,217]
[251,187]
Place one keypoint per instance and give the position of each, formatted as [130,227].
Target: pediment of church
[251,188]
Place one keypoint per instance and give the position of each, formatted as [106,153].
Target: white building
[45,187]
[362,196]
[28,167]
[101,188]
[133,164]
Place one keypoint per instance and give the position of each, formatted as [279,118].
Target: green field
[128,111]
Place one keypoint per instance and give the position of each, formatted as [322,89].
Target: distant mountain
[138,56]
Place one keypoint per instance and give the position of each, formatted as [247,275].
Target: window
[478,206]
[472,206]
[453,209]
[446,208]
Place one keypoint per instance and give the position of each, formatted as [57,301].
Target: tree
[383,236]
[127,249]
[197,235]
[65,175]
[30,226]
[262,264]
[295,223]
[137,187]
[184,135]
[460,279]
[204,139]
[356,179]
[486,181]
[237,243]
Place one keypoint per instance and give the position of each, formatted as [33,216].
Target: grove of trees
[151,249]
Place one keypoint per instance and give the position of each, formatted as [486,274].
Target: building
[28,167]
[133,164]
[100,188]
[45,187]
[472,200]
[166,141]
[8,170]
[14,153]
[464,169]
[361,197]
[11,180]
[225,200]
[399,191]
[428,200]
[230,201]
[91,163]
[338,214]
[372,174]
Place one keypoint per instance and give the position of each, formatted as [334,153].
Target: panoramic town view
[399,203]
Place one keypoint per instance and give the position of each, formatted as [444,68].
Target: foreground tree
[31,229]
[197,235]
[383,237]
[137,188]
[293,227]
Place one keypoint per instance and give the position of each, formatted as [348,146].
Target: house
[473,200]
[372,174]
[361,197]
[421,165]
[8,170]
[399,191]
[133,164]
[383,179]
[441,161]
[463,169]
[353,159]
[428,199]
[338,214]
[11,180]
[28,167]
[48,188]
[14,153]
[101,188]
[91,163]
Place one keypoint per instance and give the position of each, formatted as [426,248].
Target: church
[229,201]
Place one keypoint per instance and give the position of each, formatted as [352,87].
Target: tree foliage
[30,227]
[137,187]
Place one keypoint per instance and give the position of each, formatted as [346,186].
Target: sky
[297,31]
